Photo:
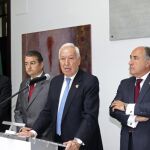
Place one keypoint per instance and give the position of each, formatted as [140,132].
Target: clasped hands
[70,145]
[120,105]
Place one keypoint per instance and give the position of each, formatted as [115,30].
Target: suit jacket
[140,134]
[80,116]
[5,108]
[27,111]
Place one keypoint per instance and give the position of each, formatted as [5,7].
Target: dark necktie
[61,107]
[31,89]
[137,90]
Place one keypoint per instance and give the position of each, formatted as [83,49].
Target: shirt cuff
[34,133]
[79,141]
[131,121]
[130,109]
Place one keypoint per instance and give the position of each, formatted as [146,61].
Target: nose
[130,61]
[66,61]
[28,65]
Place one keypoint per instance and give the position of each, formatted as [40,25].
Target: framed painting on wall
[49,42]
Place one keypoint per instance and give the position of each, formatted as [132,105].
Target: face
[32,66]
[69,62]
[138,63]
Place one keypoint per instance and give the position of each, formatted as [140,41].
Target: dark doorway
[5,36]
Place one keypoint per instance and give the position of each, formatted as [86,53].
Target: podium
[13,142]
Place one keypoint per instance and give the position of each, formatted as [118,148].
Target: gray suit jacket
[140,134]
[28,111]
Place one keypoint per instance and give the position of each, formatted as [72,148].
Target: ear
[79,61]
[42,64]
[148,63]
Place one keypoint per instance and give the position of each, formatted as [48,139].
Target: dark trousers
[130,144]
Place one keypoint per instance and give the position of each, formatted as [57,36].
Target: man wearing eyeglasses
[32,100]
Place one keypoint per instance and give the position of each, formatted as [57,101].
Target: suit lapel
[58,91]
[145,88]
[56,94]
[26,93]
[73,91]
[36,91]
[131,90]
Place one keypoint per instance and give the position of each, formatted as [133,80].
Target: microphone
[29,82]
[38,79]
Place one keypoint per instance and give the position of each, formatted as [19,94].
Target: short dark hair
[147,52]
[35,53]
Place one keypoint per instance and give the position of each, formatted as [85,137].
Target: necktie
[62,105]
[31,89]
[137,89]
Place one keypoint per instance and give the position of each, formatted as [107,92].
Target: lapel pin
[77,85]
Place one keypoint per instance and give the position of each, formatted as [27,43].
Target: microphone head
[47,76]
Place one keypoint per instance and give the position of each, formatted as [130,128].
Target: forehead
[30,58]
[138,52]
[67,51]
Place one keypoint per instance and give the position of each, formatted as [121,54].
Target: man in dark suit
[5,107]
[29,105]
[131,106]
[79,123]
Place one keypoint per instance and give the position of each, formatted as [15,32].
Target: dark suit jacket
[80,116]
[28,111]
[140,134]
[5,108]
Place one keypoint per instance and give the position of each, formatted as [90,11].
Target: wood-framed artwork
[49,42]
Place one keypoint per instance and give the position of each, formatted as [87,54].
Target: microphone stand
[7,99]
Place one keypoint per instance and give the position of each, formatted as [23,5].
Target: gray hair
[70,45]
[147,52]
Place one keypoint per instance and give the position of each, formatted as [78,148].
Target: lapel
[58,91]
[25,99]
[145,88]
[131,89]
[36,92]
[72,92]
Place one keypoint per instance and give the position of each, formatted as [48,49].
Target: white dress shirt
[130,107]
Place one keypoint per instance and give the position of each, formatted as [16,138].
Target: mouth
[67,69]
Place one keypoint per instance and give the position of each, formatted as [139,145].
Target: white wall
[109,59]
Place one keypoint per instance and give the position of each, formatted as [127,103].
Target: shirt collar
[145,76]
[38,75]
[72,77]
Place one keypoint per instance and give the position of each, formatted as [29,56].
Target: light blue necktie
[62,105]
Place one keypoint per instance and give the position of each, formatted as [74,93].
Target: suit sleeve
[119,115]
[142,109]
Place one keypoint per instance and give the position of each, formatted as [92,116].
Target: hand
[119,105]
[141,119]
[24,129]
[72,145]
[25,132]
